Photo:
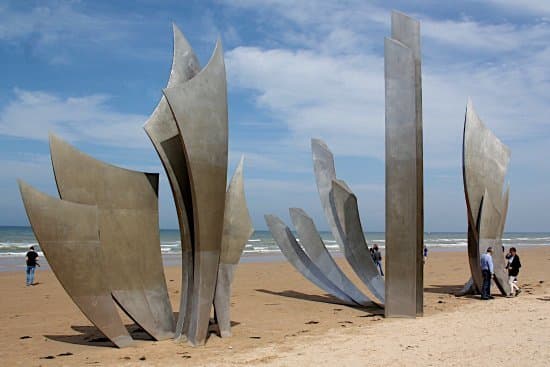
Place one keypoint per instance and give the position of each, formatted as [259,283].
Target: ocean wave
[262,250]
[24,245]
[19,254]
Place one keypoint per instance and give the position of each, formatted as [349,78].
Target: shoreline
[14,263]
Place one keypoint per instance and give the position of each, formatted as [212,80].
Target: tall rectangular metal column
[404,169]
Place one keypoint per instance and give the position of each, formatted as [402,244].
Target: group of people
[513,264]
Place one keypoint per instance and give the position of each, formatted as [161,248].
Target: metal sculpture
[484,163]
[69,234]
[199,108]
[344,204]
[163,131]
[300,260]
[316,263]
[128,215]
[315,248]
[356,251]
[189,131]
[237,229]
[404,171]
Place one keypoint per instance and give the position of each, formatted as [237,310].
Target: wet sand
[281,319]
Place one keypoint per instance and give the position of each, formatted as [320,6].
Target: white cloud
[338,99]
[536,7]
[468,34]
[33,114]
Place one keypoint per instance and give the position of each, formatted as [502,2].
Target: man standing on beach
[488,271]
[31,258]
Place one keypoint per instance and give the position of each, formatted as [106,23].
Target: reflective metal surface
[489,226]
[404,177]
[325,173]
[484,163]
[301,262]
[315,248]
[166,138]
[68,234]
[128,219]
[237,229]
[200,110]
[355,251]
[344,205]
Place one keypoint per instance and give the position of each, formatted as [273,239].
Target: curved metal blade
[163,132]
[484,164]
[68,234]
[301,262]
[344,205]
[128,215]
[200,110]
[237,229]
[315,248]
[489,228]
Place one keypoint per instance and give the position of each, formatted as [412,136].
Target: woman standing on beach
[513,270]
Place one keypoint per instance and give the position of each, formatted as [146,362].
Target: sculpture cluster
[102,238]
[401,292]
[484,163]
[310,257]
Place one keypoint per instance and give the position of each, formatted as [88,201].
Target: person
[377,257]
[488,271]
[31,257]
[513,266]
[425,253]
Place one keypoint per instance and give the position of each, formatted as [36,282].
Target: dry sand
[280,319]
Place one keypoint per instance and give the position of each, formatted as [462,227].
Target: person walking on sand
[377,258]
[488,271]
[513,266]
[31,258]
[425,254]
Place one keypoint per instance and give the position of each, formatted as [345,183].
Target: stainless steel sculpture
[404,171]
[355,248]
[344,205]
[69,234]
[484,163]
[189,131]
[127,206]
[237,229]
[299,259]
[167,140]
[316,263]
[315,248]
[200,110]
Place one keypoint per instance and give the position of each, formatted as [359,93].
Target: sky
[93,71]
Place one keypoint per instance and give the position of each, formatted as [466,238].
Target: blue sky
[93,71]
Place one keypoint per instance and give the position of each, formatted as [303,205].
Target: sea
[15,241]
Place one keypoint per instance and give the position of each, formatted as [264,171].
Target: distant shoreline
[17,263]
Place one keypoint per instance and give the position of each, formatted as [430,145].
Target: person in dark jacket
[513,266]
[377,258]
[31,258]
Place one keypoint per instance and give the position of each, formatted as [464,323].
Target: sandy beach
[280,319]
